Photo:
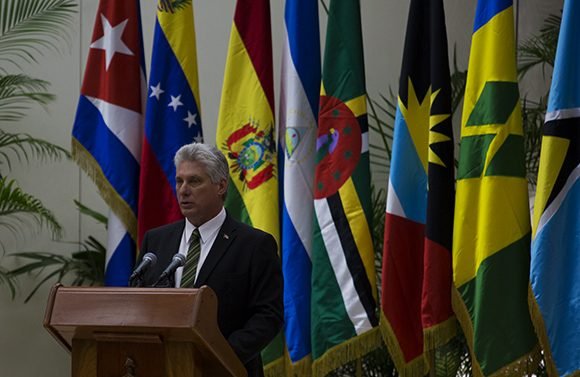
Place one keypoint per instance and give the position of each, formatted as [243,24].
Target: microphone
[177,261]
[149,260]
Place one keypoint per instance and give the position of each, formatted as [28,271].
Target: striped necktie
[190,269]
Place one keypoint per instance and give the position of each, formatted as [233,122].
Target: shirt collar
[208,228]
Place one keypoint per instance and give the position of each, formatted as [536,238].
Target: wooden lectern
[140,332]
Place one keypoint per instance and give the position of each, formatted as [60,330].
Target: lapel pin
[226,237]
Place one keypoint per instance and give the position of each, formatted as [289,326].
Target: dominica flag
[491,240]
[245,132]
[344,297]
[173,111]
[416,281]
[108,126]
[299,96]
[555,266]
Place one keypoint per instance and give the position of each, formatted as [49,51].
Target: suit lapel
[223,240]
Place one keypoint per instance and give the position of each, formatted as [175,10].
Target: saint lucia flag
[491,234]
[173,112]
[108,127]
[344,318]
[245,133]
[555,269]
[300,88]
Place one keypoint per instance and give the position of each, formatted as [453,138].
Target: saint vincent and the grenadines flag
[299,97]
[245,132]
[344,320]
[416,275]
[491,239]
[108,126]
[173,112]
[555,263]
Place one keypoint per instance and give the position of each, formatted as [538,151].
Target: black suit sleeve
[265,301]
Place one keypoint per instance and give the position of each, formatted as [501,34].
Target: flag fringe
[440,334]
[540,328]
[346,352]
[524,365]
[89,165]
[300,368]
[418,367]
[275,368]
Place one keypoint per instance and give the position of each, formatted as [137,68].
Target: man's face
[199,199]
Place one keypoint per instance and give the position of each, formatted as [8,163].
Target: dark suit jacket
[244,270]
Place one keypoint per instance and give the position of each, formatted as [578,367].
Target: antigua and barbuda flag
[246,133]
[491,233]
[344,292]
[416,281]
[108,126]
[555,266]
[299,96]
[173,112]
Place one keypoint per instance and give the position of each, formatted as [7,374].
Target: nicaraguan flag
[299,94]
[107,131]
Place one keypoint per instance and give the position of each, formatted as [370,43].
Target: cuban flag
[300,87]
[107,132]
[173,112]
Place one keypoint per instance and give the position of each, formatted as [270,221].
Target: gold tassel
[88,164]
[417,367]
[347,352]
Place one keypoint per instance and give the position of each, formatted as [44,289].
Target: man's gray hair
[209,156]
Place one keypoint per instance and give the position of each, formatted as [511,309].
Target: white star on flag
[156,91]
[175,102]
[190,119]
[111,40]
[198,138]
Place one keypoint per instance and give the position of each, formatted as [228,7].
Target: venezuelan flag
[555,266]
[173,112]
[245,132]
[491,241]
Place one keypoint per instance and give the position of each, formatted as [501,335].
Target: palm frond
[99,217]
[85,266]
[18,93]
[18,209]
[23,146]
[29,27]
[10,281]
[458,83]
[540,49]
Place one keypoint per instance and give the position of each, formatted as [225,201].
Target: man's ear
[222,187]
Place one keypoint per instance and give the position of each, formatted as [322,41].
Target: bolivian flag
[245,132]
[491,242]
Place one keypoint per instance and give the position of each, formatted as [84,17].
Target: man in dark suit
[238,262]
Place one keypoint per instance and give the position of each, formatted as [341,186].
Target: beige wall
[26,349]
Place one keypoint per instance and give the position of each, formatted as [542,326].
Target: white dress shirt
[208,232]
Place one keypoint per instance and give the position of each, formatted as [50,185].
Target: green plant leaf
[23,146]
[18,209]
[99,217]
[18,93]
[30,27]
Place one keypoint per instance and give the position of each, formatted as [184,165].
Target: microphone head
[179,258]
[151,257]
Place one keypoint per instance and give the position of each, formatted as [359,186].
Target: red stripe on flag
[157,203]
[402,279]
[252,19]
[437,281]
[101,83]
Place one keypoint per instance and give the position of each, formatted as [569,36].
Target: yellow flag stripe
[179,29]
